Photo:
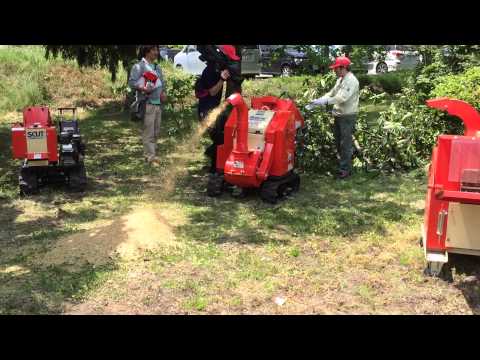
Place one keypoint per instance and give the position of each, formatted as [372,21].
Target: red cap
[229,50]
[341,61]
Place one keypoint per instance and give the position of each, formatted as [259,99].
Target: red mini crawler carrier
[452,214]
[48,152]
[259,147]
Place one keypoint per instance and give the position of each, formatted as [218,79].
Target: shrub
[181,99]
[465,86]
[403,135]
[290,87]
[400,138]
[391,83]
[179,86]
[27,78]
[426,79]
[318,152]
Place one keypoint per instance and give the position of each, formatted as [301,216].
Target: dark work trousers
[216,133]
[344,127]
[211,150]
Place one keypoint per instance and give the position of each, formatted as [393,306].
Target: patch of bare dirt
[127,238]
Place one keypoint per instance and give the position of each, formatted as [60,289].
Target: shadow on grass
[115,168]
[323,207]
[469,266]
[35,290]
[43,284]
[115,165]
[217,220]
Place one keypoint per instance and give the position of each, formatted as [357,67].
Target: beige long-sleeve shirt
[344,95]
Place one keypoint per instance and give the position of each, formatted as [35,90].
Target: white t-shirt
[345,95]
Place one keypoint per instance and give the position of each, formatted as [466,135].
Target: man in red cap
[209,87]
[208,90]
[230,51]
[344,97]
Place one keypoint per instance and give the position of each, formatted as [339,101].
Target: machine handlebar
[72,109]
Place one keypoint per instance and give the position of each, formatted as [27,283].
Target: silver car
[398,57]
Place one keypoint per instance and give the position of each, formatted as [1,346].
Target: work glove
[317,102]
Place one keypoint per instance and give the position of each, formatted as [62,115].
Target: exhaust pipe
[236,100]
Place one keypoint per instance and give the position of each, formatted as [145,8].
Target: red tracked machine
[452,211]
[259,147]
[48,154]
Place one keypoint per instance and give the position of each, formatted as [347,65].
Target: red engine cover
[241,169]
[251,168]
[281,132]
[37,116]
[38,125]
[276,104]
[19,142]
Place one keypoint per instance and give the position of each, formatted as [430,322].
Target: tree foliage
[107,56]
[403,135]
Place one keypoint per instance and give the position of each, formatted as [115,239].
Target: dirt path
[126,238]
[142,230]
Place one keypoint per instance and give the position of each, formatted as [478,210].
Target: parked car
[188,60]
[256,60]
[398,57]
[168,54]
[273,60]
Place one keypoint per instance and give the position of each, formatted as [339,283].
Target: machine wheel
[28,182]
[433,269]
[228,187]
[78,178]
[269,192]
[283,190]
[215,185]
[439,270]
[296,183]
[291,187]
[274,189]
[382,68]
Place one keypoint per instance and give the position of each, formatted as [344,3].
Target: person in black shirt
[209,89]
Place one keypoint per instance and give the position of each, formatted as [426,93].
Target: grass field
[126,246]
[148,240]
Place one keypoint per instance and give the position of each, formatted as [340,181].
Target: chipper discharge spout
[452,214]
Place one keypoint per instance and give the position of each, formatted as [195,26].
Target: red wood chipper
[259,147]
[48,154]
[452,214]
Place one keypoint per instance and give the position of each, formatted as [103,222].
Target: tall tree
[108,56]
